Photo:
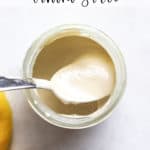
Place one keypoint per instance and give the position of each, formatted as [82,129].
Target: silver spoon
[9,84]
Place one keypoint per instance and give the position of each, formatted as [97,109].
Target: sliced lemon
[5,122]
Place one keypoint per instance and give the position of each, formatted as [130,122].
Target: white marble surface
[128,23]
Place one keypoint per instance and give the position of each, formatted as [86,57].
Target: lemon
[5,122]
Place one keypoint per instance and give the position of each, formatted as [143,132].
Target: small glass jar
[101,114]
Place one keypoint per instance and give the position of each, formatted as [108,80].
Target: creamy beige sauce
[76,55]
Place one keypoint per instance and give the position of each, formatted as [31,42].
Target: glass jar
[75,122]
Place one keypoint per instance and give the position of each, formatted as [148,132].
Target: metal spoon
[9,84]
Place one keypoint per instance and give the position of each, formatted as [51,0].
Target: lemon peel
[5,122]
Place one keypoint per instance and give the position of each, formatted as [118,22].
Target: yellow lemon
[5,122]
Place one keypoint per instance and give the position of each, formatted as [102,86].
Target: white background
[128,23]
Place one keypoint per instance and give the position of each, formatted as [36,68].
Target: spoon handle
[8,84]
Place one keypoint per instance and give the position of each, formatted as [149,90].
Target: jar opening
[43,56]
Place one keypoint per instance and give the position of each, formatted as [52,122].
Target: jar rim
[107,43]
